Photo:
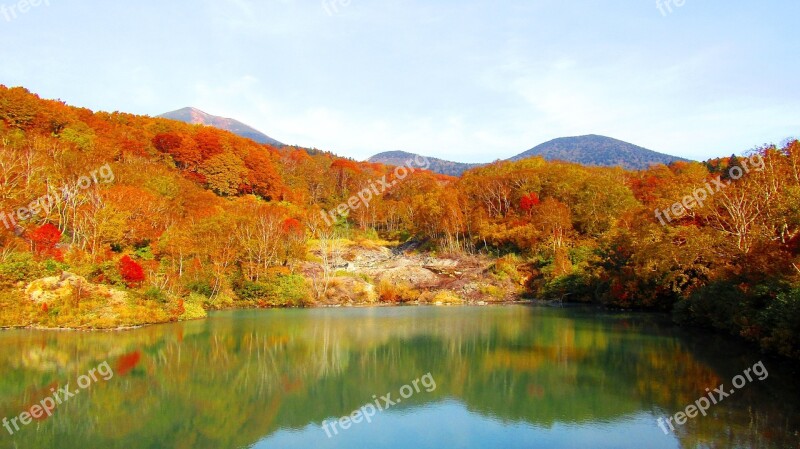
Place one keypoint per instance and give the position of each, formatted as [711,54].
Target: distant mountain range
[598,150]
[198,117]
[399,158]
[585,150]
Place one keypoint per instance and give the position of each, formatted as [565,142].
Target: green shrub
[289,289]
[19,267]
[145,253]
[104,273]
[195,298]
[781,319]
[52,267]
[156,294]
[276,290]
[767,313]
[219,301]
[250,291]
[714,306]
[580,254]
[572,287]
[201,287]
[506,268]
[192,311]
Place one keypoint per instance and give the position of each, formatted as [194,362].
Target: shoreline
[233,309]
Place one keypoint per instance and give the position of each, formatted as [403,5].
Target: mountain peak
[593,149]
[441,166]
[195,116]
[590,149]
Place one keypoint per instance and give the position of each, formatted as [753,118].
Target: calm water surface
[505,377]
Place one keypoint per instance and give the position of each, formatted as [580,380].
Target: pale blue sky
[458,79]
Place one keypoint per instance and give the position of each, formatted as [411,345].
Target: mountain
[598,150]
[585,150]
[198,117]
[441,166]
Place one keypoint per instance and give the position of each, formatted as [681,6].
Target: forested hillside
[184,218]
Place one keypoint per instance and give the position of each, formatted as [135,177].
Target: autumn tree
[44,240]
[224,173]
[344,171]
[293,238]
[131,271]
[262,178]
[208,142]
[167,142]
[259,235]
[528,202]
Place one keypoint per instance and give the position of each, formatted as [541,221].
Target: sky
[465,80]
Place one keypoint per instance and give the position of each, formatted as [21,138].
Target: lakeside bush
[19,267]
[275,290]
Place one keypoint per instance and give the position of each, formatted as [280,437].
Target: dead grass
[397,293]
[442,297]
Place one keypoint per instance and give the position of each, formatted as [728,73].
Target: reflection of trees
[231,380]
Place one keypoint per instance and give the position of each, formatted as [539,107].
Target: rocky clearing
[361,273]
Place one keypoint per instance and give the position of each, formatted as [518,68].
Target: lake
[456,377]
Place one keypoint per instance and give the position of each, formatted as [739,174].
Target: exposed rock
[446,267]
[456,278]
[416,276]
[68,286]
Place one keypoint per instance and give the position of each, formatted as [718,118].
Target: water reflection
[506,377]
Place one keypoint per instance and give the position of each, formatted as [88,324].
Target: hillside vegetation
[198,218]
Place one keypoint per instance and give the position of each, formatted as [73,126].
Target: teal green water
[505,377]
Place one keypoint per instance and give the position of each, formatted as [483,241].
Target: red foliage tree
[529,201]
[166,142]
[131,271]
[44,240]
[292,226]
